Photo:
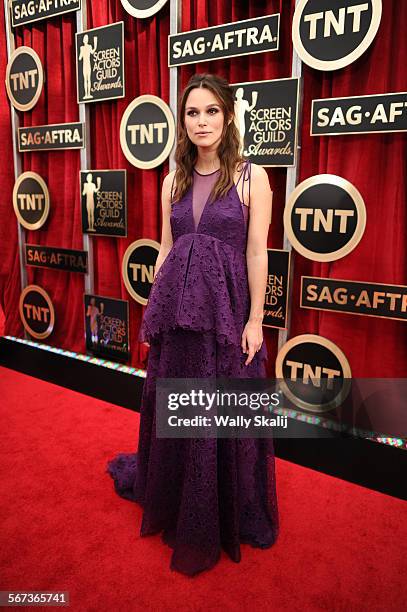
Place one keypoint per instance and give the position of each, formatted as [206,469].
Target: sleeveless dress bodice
[201,190]
[202,284]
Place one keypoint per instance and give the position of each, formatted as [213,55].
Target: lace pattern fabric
[209,494]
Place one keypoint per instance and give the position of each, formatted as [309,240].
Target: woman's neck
[207,161]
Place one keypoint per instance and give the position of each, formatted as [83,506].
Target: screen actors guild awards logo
[266,117]
[242,107]
[277,289]
[93,312]
[89,191]
[106,325]
[100,63]
[85,53]
[104,205]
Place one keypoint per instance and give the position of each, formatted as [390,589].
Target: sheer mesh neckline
[209,174]
[235,184]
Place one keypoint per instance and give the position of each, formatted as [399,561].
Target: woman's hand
[252,339]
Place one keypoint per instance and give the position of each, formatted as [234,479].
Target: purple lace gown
[202,494]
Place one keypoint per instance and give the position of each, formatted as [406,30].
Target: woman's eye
[211,111]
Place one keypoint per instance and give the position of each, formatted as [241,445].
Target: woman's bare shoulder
[258,171]
[260,178]
[168,183]
[169,178]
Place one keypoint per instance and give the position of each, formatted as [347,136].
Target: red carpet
[341,547]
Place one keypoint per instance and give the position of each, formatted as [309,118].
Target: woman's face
[204,118]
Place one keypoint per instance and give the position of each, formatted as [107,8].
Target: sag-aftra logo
[28,11]
[258,35]
[359,114]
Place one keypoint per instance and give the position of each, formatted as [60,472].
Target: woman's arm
[166,234]
[256,256]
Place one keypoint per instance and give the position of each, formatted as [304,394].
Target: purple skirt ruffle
[201,286]
[203,495]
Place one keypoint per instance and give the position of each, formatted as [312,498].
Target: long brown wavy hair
[186,153]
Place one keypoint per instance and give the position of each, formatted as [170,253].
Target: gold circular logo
[313,373]
[328,37]
[24,78]
[142,9]
[37,312]
[325,217]
[147,132]
[138,268]
[31,200]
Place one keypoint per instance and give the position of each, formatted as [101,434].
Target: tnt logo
[37,312]
[314,373]
[323,220]
[142,8]
[31,200]
[142,273]
[337,35]
[325,217]
[311,374]
[335,22]
[24,78]
[147,132]
[138,268]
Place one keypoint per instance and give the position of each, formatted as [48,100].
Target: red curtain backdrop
[375,164]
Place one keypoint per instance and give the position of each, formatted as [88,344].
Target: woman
[204,319]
